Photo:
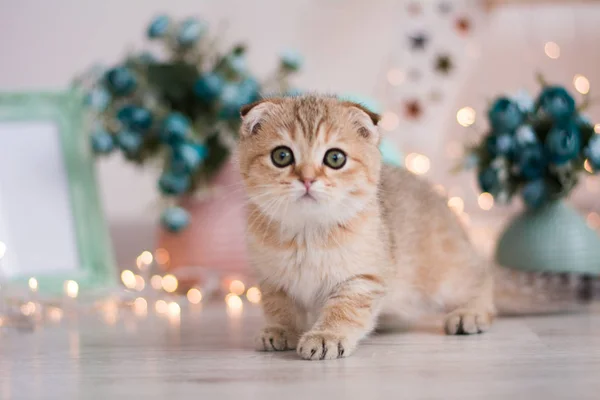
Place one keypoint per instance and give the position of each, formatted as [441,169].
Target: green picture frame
[97,267]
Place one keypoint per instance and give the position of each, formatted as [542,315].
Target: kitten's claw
[467,322]
[276,338]
[324,346]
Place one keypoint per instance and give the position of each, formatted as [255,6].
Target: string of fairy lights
[144,290]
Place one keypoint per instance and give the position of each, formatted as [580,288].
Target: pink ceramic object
[214,242]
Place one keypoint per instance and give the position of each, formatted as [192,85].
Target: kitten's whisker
[279,202]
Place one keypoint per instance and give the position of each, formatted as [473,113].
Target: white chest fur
[309,273]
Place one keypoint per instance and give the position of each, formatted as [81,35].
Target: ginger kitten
[339,241]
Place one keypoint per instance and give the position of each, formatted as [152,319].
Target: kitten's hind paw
[467,322]
[324,346]
[276,338]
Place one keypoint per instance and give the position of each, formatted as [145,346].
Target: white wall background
[347,45]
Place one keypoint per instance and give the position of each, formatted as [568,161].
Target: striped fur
[371,243]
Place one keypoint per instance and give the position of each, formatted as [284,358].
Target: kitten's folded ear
[253,115]
[365,120]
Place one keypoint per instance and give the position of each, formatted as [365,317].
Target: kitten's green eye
[282,156]
[335,158]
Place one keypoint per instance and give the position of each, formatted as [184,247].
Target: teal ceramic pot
[552,238]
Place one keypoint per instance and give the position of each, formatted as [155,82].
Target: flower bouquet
[539,150]
[177,108]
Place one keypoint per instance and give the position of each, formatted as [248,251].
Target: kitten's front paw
[467,322]
[276,338]
[324,346]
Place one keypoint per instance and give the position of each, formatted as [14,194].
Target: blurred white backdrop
[347,44]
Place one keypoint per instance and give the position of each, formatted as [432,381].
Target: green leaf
[175,82]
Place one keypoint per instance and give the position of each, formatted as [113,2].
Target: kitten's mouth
[307,197]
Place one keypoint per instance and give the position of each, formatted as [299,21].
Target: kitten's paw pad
[467,322]
[276,338]
[324,346]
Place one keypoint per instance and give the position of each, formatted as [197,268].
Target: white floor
[208,354]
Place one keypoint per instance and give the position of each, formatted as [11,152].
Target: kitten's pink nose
[307,182]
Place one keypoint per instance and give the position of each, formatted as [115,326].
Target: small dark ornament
[463,26]
[443,64]
[413,109]
[418,41]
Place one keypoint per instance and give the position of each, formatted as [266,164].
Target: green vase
[552,238]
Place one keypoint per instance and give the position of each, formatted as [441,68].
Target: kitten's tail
[521,293]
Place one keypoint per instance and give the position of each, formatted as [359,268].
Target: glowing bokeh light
[552,50]
[466,116]
[194,296]
[485,201]
[169,283]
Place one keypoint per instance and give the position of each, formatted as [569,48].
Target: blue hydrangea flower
[190,31]
[159,26]
[556,102]
[535,193]
[525,135]
[500,145]
[187,157]
[209,86]
[232,98]
[291,60]
[592,152]
[120,81]
[563,143]
[237,63]
[175,128]
[171,183]
[524,101]
[129,141]
[98,99]
[249,89]
[531,161]
[175,219]
[125,113]
[505,115]
[489,181]
[102,142]
[135,118]
[141,119]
